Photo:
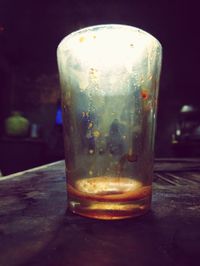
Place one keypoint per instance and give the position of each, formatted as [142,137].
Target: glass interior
[109,78]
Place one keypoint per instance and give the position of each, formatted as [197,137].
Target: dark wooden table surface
[36,228]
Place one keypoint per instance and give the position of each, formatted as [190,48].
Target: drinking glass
[109,77]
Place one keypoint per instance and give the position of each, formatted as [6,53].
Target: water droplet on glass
[91,151]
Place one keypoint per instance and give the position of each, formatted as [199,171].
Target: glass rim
[112,25]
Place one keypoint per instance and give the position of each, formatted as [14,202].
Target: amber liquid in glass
[109,197]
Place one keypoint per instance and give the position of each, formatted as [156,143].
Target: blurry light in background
[59,116]
[187,108]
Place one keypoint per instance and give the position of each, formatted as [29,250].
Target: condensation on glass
[109,78]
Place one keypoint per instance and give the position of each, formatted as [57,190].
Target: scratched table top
[37,229]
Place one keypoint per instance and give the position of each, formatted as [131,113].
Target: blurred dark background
[30,31]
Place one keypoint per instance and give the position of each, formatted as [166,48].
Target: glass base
[110,199]
[110,211]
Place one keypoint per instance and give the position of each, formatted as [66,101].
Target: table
[36,228]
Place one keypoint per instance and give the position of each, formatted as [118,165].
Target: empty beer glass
[109,78]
